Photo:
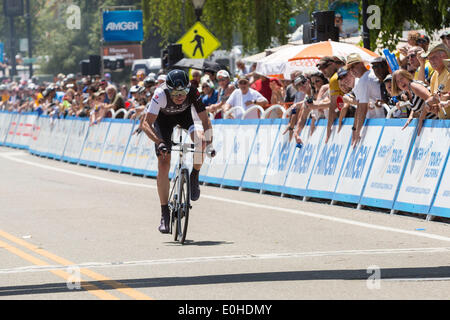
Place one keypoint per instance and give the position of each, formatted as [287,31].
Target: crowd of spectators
[343,87]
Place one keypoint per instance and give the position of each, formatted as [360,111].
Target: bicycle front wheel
[182,215]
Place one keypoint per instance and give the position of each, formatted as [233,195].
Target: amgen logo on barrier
[328,160]
[356,163]
[303,160]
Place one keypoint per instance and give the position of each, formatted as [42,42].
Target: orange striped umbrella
[309,56]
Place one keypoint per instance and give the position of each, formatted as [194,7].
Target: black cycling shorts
[164,125]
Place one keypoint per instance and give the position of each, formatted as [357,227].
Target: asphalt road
[72,232]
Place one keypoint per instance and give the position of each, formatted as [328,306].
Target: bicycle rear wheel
[182,215]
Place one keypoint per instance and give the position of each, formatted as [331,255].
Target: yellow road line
[90,288]
[94,275]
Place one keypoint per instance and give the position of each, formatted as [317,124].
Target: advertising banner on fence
[424,167]
[303,161]
[5,120]
[280,159]
[441,205]
[237,159]
[260,154]
[329,163]
[358,162]
[224,143]
[388,164]
[76,139]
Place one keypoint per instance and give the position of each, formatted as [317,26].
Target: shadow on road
[434,273]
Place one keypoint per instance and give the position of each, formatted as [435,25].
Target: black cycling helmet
[177,80]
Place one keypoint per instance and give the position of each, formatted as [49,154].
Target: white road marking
[244,257]
[243,203]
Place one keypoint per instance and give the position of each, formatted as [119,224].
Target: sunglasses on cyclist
[179,93]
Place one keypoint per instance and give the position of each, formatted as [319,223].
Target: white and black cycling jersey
[162,102]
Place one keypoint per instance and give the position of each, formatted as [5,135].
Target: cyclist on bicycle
[176,103]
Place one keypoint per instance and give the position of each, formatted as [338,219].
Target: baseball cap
[300,79]
[342,72]
[329,59]
[223,74]
[379,60]
[388,78]
[423,39]
[435,48]
[354,58]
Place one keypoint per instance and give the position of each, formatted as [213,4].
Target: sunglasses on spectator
[221,79]
[243,83]
[323,66]
[412,56]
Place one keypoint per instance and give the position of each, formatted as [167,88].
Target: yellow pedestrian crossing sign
[198,42]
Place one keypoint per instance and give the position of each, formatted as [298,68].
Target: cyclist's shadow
[201,243]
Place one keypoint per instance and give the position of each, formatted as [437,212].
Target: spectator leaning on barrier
[417,95]
[117,101]
[346,84]
[329,67]
[245,97]
[381,71]
[290,89]
[300,111]
[440,81]
[367,92]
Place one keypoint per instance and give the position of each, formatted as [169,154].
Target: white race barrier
[260,154]
[95,142]
[5,120]
[358,162]
[278,165]
[76,139]
[116,144]
[388,163]
[303,161]
[238,157]
[390,168]
[330,160]
[424,168]
[224,145]
[441,204]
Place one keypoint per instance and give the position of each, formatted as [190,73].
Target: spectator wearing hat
[226,88]
[209,94]
[424,42]
[445,37]
[245,97]
[381,71]
[348,107]
[290,89]
[367,92]
[440,81]
[329,67]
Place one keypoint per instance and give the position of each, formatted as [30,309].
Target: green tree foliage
[430,15]
[256,22]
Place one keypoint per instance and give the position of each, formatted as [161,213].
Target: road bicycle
[180,195]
